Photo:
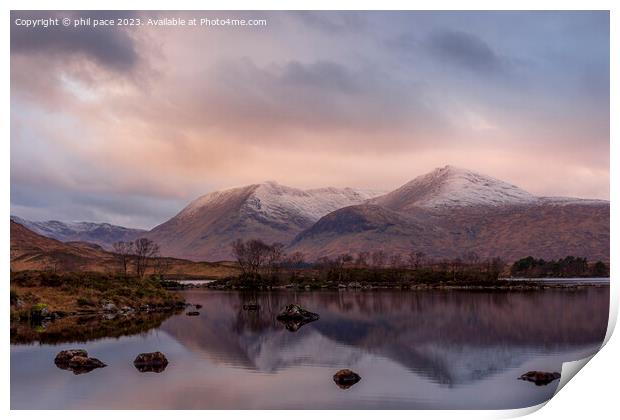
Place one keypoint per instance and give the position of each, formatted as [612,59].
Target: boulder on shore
[540,378]
[346,378]
[77,361]
[294,317]
[151,362]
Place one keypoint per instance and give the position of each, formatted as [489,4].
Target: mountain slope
[510,232]
[103,234]
[451,211]
[31,251]
[454,187]
[205,229]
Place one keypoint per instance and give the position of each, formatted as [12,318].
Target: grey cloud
[112,48]
[331,22]
[316,96]
[341,83]
[321,75]
[407,43]
[465,50]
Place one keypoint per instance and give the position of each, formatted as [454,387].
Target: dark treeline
[564,267]
[269,263]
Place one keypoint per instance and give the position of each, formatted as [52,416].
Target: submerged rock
[294,317]
[151,362]
[198,306]
[540,378]
[77,361]
[251,307]
[192,313]
[346,378]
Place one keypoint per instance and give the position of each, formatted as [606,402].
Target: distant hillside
[31,251]
[103,234]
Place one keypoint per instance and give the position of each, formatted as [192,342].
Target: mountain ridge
[208,225]
[444,213]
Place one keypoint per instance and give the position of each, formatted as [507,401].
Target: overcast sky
[127,125]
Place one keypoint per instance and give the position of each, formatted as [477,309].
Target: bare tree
[294,262]
[323,264]
[124,252]
[274,259]
[416,259]
[378,259]
[361,260]
[162,266]
[471,258]
[145,251]
[496,266]
[339,265]
[396,261]
[250,255]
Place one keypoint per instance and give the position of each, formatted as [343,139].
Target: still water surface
[413,350]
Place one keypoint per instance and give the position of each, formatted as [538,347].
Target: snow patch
[271,200]
[456,187]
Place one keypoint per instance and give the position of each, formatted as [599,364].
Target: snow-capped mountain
[451,186]
[205,229]
[445,213]
[275,202]
[451,211]
[103,234]
[454,187]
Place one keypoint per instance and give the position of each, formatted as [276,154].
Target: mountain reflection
[450,337]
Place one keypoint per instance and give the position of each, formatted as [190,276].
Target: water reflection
[451,337]
[422,350]
[86,327]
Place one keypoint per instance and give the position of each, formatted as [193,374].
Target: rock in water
[346,378]
[540,378]
[296,312]
[81,364]
[192,313]
[151,362]
[64,356]
[294,317]
[77,361]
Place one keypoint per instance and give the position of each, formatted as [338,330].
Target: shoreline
[498,285]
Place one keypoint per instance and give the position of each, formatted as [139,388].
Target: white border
[593,394]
